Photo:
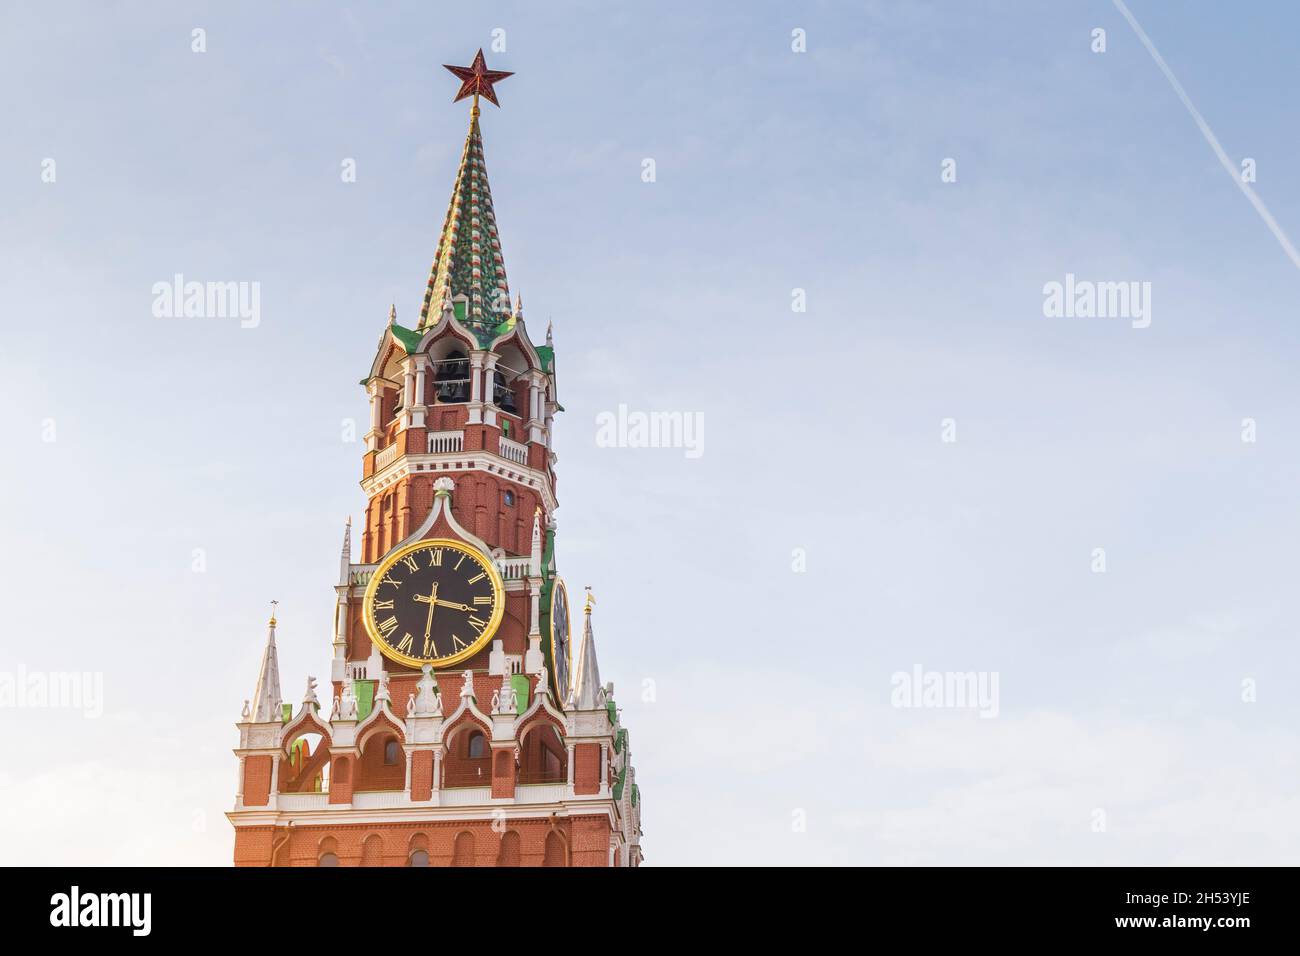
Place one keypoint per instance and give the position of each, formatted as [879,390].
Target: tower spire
[468,259]
[586,677]
[266,695]
[345,556]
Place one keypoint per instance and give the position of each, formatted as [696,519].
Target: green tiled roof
[409,339]
[547,354]
[468,259]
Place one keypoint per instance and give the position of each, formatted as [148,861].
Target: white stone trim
[340,814]
[453,463]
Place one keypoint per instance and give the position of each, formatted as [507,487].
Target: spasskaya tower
[465,722]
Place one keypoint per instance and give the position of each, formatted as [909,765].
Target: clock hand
[433,602]
[453,604]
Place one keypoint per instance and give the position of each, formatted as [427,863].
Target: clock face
[433,602]
[560,643]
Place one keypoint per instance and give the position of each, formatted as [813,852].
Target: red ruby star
[477,79]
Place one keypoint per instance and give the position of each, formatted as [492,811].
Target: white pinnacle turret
[535,553]
[586,677]
[345,559]
[266,696]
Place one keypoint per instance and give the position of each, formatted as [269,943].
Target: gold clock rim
[568,624]
[498,607]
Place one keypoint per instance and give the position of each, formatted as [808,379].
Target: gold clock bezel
[568,623]
[498,605]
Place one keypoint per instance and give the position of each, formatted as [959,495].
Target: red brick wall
[583,841]
[586,768]
[421,775]
[503,772]
[343,770]
[373,773]
[257,780]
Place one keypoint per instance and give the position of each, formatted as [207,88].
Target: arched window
[503,396]
[390,752]
[419,858]
[451,378]
[477,745]
[463,852]
[327,859]
[554,855]
[509,855]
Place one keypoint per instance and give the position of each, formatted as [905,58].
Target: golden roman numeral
[435,559]
[477,624]
[386,627]
[478,577]
[383,605]
[483,600]
[405,646]
[456,567]
[411,562]
[428,648]
[389,579]
[458,643]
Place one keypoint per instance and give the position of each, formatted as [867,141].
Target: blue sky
[776,171]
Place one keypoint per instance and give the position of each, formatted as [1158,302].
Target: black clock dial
[560,638]
[435,602]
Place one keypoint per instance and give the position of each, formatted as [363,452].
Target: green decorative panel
[520,683]
[365,691]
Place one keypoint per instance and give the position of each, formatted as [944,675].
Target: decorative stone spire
[392,314]
[535,554]
[550,343]
[345,557]
[587,691]
[266,695]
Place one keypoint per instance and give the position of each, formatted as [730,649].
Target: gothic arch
[417,850]
[372,851]
[461,766]
[516,340]
[543,756]
[379,719]
[464,717]
[382,764]
[463,849]
[328,847]
[307,722]
[509,852]
[555,853]
[301,767]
